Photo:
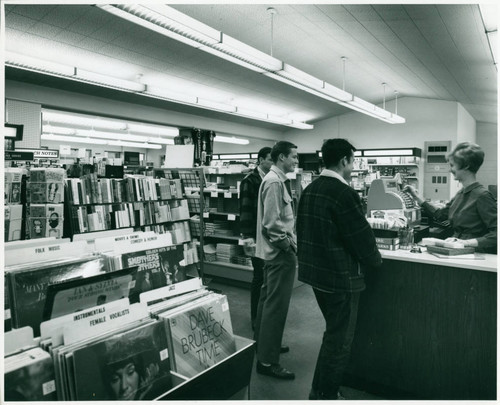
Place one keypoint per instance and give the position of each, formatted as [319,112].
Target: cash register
[384,194]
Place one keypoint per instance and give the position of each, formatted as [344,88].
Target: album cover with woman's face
[133,365]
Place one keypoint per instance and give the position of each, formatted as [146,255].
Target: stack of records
[226,251]
[200,334]
[126,363]
[222,228]
[241,260]
[28,284]
[210,252]
[29,376]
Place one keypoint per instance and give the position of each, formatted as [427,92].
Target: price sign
[227,194]
[231,217]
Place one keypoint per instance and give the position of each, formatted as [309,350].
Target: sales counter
[427,328]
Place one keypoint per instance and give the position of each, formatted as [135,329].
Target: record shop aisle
[303,333]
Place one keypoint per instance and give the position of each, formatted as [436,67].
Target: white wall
[487,138]
[426,120]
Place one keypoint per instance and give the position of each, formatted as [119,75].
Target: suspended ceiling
[426,51]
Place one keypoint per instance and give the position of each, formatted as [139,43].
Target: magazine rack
[229,379]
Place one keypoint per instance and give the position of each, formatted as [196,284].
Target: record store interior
[236,201]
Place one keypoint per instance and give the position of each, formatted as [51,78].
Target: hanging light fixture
[174,24]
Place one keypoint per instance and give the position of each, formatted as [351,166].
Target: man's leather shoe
[284,349]
[275,370]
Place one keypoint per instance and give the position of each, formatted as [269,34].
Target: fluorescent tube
[109,81]
[232,139]
[37,65]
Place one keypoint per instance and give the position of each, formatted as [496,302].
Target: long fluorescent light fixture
[231,139]
[174,24]
[152,91]
[94,141]
[109,81]
[489,14]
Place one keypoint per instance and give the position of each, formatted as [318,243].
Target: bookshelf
[221,227]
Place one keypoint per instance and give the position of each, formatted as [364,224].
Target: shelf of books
[87,313]
[223,256]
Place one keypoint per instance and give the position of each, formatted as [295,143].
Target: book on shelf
[13,180]
[200,334]
[46,192]
[45,220]
[13,221]
[29,376]
[28,285]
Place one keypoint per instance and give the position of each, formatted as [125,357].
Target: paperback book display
[46,185]
[13,200]
[90,190]
[13,185]
[13,221]
[200,334]
[136,201]
[46,220]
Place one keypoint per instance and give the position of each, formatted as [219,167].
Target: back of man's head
[333,150]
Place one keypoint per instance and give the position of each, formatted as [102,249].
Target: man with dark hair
[335,244]
[249,195]
[277,246]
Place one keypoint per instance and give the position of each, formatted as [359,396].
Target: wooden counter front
[427,329]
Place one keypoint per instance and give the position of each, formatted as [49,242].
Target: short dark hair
[333,150]
[266,150]
[280,147]
[467,155]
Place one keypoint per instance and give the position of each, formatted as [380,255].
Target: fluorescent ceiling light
[152,129]
[134,144]
[358,153]
[489,13]
[174,24]
[169,95]
[369,107]
[232,139]
[109,81]
[214,105]
[29,63]
[241,51]
[234,156]
[279,120]
[232,59]
[251,114]
[50,129]
[388,152]
[302,125]
[62,138]
[53,117]
[323,94]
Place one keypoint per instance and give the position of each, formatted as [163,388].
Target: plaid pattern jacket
[249,196]
[334,238]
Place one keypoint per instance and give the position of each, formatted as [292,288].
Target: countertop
[487,263]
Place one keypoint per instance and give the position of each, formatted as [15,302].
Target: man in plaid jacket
[249,196]
[335,243]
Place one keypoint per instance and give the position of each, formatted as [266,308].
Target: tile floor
[303,332]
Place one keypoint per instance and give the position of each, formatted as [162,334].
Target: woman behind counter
[473,211]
